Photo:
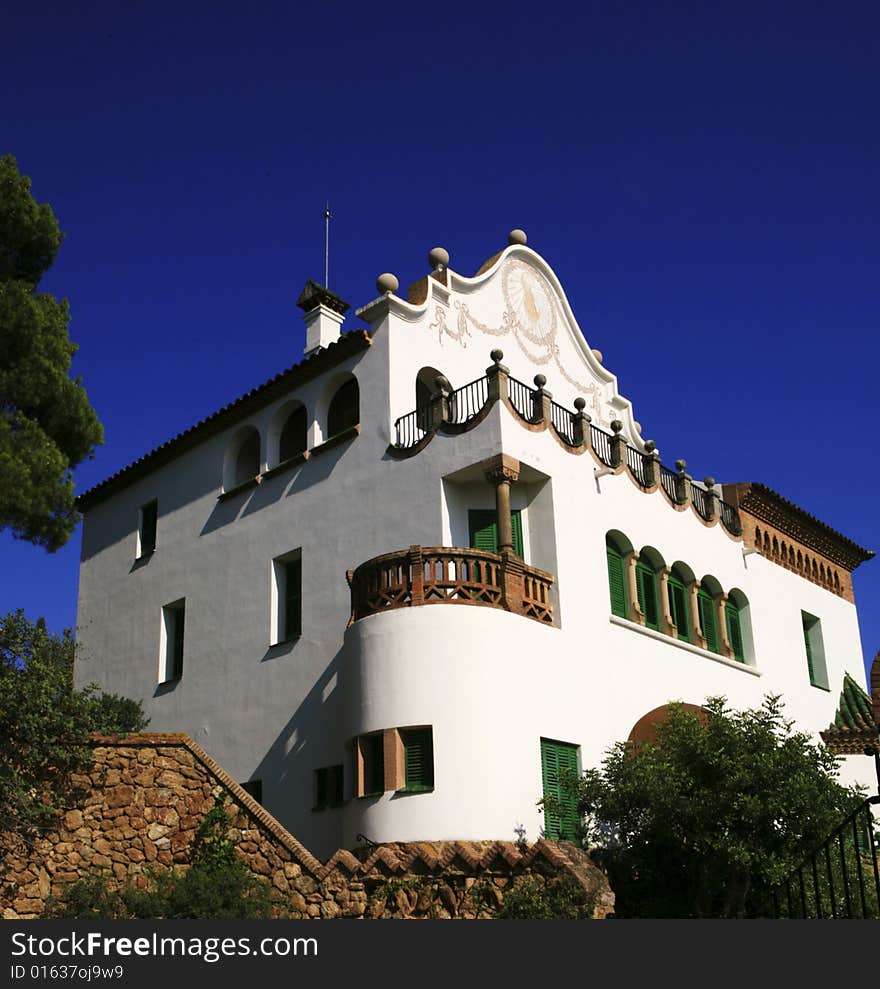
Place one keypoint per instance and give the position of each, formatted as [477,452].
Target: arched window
[344,410]
[647,585]
[294,435]
[679,609]
[426,391]
[242,460]
[736,618]
[617,548]
[707,605]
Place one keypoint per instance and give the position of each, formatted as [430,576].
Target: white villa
[400,585]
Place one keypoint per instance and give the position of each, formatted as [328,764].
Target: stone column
[541,401]
[440,401]
[635,609]
[697,636]
[682,483]
[581,424]
[652,464]
[667,625]
[497,375]
[721,621]
[501,470]
[713,500]
[618,444]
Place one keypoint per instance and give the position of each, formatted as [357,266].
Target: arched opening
[344,409]
[242,460]
[678,587]
[617,549]
[739,626]
[427,390]
[648,568]
[707,605]
[644,731]
[293,437]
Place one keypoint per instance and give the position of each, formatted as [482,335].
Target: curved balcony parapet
[421,575]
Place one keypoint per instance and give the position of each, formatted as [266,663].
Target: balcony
[449,575]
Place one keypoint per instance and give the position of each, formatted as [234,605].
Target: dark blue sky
[702,177]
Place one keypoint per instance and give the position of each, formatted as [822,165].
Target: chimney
[323,313]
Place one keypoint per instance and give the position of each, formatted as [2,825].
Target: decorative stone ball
[442,383]
[709,481]
[680,465]
[580,404]
[497,355]
[616,426]
[650,446]
[598,355]
[517,237]
[438,258]
[387,283]
[539,380]
[637,426]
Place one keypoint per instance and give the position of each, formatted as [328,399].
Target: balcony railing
[449,575]
[533,405]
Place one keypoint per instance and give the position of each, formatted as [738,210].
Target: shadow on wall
[302,746]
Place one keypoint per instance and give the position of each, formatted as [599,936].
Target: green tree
[44,723]
[47,425]
[701,822]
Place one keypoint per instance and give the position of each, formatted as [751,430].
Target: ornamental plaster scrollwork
[531,316]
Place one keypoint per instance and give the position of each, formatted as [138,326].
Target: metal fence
[841,878]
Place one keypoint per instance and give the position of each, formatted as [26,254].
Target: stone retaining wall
[143,799]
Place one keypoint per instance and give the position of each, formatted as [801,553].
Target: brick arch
[645,729]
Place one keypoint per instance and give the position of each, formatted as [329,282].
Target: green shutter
[616,584]
[418,752]
[561,821]
[706,607]
[678,607]
[293,598]
[809,649]
[646,583]
[734,633]
[483,530]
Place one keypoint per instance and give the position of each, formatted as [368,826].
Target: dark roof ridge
[348,344]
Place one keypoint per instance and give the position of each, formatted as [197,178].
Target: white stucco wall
[489,683]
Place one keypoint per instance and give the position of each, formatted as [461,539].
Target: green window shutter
[646,583]
[483,530]
[561,821]
[678,607]
[809,649]
[293,598]
[706,606]
[734,633]
[616,583]
[418,752]
[516,525]
[373,749]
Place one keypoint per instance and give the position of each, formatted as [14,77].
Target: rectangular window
[646,584]
[734,631]
[678,607]
[328,787]
[287,597]
[815,649]
[371,755]
[147,518]
[616,581]
[173,621]
[418,758]
[559,762]
[255,789]
[483,530]
[706,607]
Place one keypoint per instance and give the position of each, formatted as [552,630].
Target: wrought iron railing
[840,878]
[601,443]
[466,403]
[562,420]
[520,397]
